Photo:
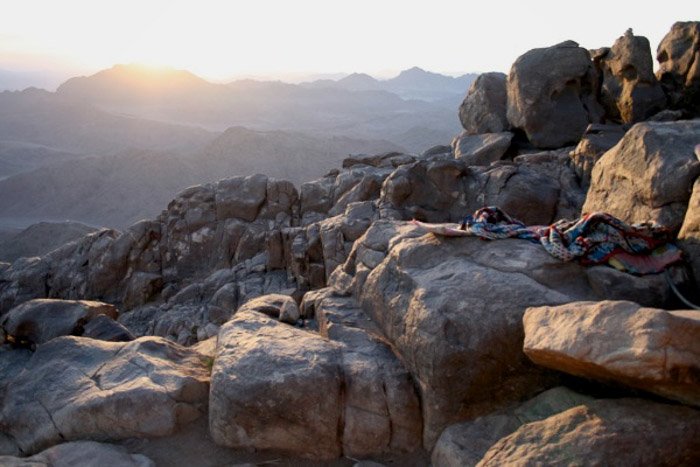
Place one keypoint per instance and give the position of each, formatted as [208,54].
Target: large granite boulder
[646,348]
[38,321]
[484,108]
[75,388]
[464,444]
[551,95]
[275,387]
[82,454]
[604,432]
[679,65]
[630,92]
[648,175]
[452,308]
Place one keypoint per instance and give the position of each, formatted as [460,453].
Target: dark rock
[484,108]
[551,95]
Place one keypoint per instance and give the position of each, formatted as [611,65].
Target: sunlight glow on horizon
[222,39]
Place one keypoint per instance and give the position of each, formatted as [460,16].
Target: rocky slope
[320,323]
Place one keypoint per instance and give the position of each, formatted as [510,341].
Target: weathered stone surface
[75,388]
[648,175]
[80,453]
[381,413]
[630,92]
[605,432]
[689,235]
[481,149]
[105,328]
[594,143]
[39,321]
[452,308]
[464,444]
[484,108]
[275,387]
[646,348]
[551,95]
[679,65]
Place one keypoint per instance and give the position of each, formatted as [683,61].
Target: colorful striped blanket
[596,238]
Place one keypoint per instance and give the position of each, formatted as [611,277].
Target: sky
[219,40]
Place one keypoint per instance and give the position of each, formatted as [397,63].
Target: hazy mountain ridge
[414,83]
[118,190]
[177,96]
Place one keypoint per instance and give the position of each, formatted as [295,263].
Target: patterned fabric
[596,238]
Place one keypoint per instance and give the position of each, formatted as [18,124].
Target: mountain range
[112,148]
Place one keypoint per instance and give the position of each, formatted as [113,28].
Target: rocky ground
[254,322]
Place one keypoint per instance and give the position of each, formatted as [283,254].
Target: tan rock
[645,348]
[617,432]
[648,175]
[689,235]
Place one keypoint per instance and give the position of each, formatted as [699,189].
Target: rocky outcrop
[646,348]
[593,434]
[537,189]
[287,389]
[630,92]
[82,453]
[38,321]
[484,108]
[649,175]
[452,309]
[465,444]
[679,65]
[75,388]
[552,95]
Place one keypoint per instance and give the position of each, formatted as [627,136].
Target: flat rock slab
[605,432]
[646,348]
[76,388]
[82,454]
[275,387]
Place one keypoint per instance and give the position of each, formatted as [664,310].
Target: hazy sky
[220,39]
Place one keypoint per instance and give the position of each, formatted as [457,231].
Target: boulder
[689,235]
[75,388]
[630,92]
[604,432]
[381,413]
[481,149]
[551,95]
[275,387]
[464,444]
[645,348]
[80,453]
[38,321]
[484,108]
[678,55]
[648,175]
[452,309]
[596,140]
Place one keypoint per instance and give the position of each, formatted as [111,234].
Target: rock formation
[679,65]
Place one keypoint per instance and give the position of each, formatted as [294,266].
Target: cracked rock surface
[76,388]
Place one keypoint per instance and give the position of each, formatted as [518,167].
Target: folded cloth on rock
[595,238]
